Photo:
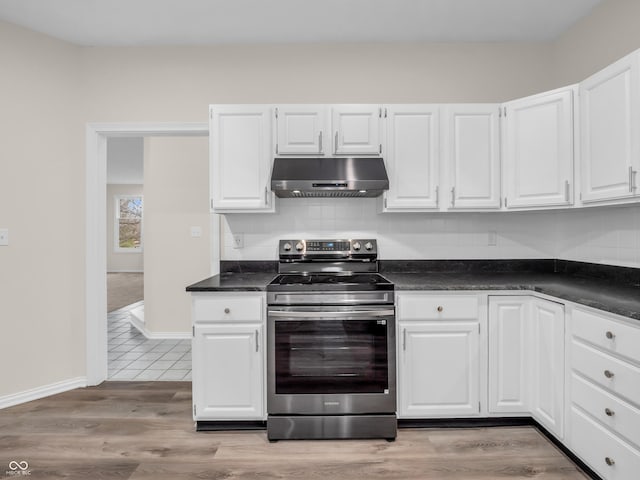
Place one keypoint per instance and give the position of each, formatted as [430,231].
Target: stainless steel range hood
[329,177]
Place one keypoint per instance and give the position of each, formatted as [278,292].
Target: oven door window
[331,356]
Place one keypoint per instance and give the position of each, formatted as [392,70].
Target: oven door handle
[296,315]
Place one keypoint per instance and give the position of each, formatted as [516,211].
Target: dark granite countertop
[234,282]
[611,289]
[597,293]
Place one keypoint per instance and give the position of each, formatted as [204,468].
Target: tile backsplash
[609,235]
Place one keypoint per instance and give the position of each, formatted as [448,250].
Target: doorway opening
[163,340]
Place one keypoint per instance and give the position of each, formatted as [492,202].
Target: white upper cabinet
[610,131]
[471,153]
[302,130]
[538,150]
[412,156]
[357,129]
[240,158]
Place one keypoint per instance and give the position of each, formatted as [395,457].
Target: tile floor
[134,357]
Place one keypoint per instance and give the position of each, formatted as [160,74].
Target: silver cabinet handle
[608,374]
[335,146]
[566,190]
[610,335]
[439,308]
[453,196]
[630,179]
[227,310]
[437,196]
[257,342]
[609,412]
[404,339]
[320,142]
[266,197]
[609,461]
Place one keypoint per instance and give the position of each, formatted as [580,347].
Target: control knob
[356,246]
[368,246]
[299,246]
[286,247]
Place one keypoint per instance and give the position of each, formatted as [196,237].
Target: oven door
[331,360]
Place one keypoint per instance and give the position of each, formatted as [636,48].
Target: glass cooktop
[360,281]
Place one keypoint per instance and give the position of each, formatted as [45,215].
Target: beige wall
[42,279]
[51,89]
[176,199]
[121,261]
[177,84]
[610,32]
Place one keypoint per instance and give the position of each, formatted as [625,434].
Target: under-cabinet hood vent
[329,177]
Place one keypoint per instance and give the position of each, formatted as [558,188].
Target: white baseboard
[125,270]
[41,392]
[136,318]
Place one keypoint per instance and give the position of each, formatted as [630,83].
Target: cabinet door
[412,157]
[547,362]
[301,129]
[228,371]
[538,159]
[357,129]
[241,157]
[508,337]
[439,371]
[609,126]
[471,150]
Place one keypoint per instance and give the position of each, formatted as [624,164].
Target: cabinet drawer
[231,308]
[615,375]
[609,334]
[595,444]
[619,416]
[437,307]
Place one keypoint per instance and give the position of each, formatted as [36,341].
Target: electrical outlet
[238,240]
[493,238]
[196,232]
[4,236]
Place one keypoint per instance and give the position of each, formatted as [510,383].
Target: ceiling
[209,22]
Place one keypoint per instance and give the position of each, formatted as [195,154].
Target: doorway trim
[96,228]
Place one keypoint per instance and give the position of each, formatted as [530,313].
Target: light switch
[4,236]
[196,232]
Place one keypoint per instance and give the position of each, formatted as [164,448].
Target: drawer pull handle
[610,335]
[609,412]
[608,373]
[609,461]
[227,310]
[440,308]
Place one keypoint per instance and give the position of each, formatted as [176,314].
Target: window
[128,225]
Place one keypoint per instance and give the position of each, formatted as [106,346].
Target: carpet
[124,289]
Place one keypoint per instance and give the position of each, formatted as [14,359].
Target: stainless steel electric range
[331,343]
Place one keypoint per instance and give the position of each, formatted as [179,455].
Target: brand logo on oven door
[331,404]
[382,322]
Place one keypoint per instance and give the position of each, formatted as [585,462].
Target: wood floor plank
[144,431]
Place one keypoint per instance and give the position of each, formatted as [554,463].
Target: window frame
[116,225]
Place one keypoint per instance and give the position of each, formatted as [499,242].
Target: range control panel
[327,248]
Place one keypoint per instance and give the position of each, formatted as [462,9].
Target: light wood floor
[144,430]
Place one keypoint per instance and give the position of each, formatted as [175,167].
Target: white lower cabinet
[508,359]
[228,358]
[547,365]
[439,356]
[604,393]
